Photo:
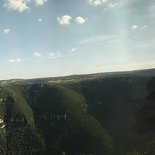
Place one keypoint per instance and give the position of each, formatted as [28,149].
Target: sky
[46,38]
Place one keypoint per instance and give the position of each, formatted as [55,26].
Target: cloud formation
[64,20]
[40,2]
[6,31]
[15,61]
[55,55]
[134,27]
[137,27]
[152,9]
[36,54]
[97,2]
[72,50]
[111,3]
[17,5]
[80,20]
[40,20]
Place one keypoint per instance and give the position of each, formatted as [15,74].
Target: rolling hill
[111,114]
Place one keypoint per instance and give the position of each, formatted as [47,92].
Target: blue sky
[43,38]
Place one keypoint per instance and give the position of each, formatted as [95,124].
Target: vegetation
[111,115]
[23,140]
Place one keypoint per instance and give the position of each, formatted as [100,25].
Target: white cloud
[72,50]
[36,54]
[139,27]
[40,20]
[6,31]
[80,20]
[51,54]
[55,55]
[40,2]
[97,2]
[134,27]
[144,26]
[112,3]
[152,8]
[15,61]
[64,20]
[17,5]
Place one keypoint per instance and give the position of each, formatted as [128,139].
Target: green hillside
[17,132]
[118,103]
[61,115]
[111,116]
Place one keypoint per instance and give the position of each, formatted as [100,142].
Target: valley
[111,114]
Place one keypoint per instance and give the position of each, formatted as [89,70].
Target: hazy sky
[40,38]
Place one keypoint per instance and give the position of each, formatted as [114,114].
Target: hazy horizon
[78,74]
[51,38]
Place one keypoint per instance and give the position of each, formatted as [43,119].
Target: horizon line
[79,74]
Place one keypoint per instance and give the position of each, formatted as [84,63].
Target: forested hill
[89,114]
